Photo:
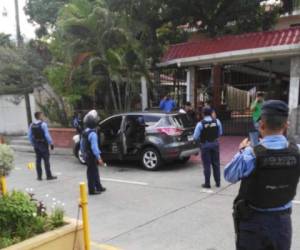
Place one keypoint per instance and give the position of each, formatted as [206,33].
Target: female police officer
[269,174]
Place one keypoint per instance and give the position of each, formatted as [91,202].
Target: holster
[241,212]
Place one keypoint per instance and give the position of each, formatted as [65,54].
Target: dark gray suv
[162,138]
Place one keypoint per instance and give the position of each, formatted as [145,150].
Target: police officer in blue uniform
[41,140]
[208,131]
[269,174]
[91,152]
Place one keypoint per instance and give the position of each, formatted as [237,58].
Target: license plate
[190,138]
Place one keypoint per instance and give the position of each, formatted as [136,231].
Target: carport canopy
[256,46]
[234,48]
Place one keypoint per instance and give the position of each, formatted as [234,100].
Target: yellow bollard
[85,216]
[3,184]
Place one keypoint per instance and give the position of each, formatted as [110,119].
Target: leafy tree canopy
[44,13]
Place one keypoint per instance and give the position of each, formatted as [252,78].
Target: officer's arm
[220,127]
[241,166]
[30,135]
[46,133]
[173,104]
[93,138]
[197,131]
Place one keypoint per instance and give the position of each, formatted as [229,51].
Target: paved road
[144,210]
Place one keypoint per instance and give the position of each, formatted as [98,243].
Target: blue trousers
[42,153]
[210,155]
[265,231]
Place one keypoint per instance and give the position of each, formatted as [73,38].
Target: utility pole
[18,31]
[19,44]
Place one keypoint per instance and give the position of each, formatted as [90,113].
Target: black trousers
[42,153]
[93,176]
[265,231]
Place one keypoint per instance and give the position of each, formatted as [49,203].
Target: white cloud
[8,22]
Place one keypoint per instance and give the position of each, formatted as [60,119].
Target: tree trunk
[119,96]
[113,96]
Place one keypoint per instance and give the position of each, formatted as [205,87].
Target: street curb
[56,151]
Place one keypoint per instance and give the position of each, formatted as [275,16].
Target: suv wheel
[150,159]
[80,156]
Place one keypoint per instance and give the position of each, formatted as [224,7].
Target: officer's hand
[101,162]
[245,143]
[52,146]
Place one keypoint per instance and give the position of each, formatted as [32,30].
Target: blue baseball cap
[275,108]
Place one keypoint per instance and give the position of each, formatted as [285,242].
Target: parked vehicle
[162,138]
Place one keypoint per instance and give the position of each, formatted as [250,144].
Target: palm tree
[92,35]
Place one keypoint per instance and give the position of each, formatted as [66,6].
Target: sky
[8,23]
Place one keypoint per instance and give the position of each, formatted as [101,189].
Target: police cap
[275,108]
[207,111]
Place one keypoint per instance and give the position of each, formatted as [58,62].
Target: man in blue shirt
[208,131]
[269,174]
[40,139]
[91,152]
[167,104]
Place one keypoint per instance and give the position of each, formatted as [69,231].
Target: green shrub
[57,217]
[6,159]
[21,218]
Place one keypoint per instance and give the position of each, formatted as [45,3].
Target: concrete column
[190,85]
[144,94]
[217,82]
[294,83]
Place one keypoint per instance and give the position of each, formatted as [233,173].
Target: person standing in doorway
[41,140]
[91,153]
[208,132]
[256,109]
[269,174]
[167,104]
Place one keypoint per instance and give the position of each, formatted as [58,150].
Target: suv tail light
[171,131]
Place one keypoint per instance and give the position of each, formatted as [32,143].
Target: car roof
[146,113]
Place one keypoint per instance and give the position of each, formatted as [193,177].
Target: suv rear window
[150,120]
[182,121]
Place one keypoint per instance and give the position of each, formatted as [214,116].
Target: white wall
[13,118]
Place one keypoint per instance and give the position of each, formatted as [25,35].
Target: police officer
[208,131]
[40,139]
[92,153]
[269,174]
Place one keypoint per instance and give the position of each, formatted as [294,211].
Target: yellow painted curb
[104,246]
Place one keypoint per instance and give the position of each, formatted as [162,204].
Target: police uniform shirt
[93,139]
[199,127]
[243,164]
[45,129]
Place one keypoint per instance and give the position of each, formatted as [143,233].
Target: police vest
[86,145]
[273,183]
[38,134]
[210,131]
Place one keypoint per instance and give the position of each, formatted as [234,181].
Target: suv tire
[150,159]
[79,155]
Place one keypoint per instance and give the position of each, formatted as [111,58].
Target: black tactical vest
[38,133]
[273,183]
[210,131]
[86,145]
